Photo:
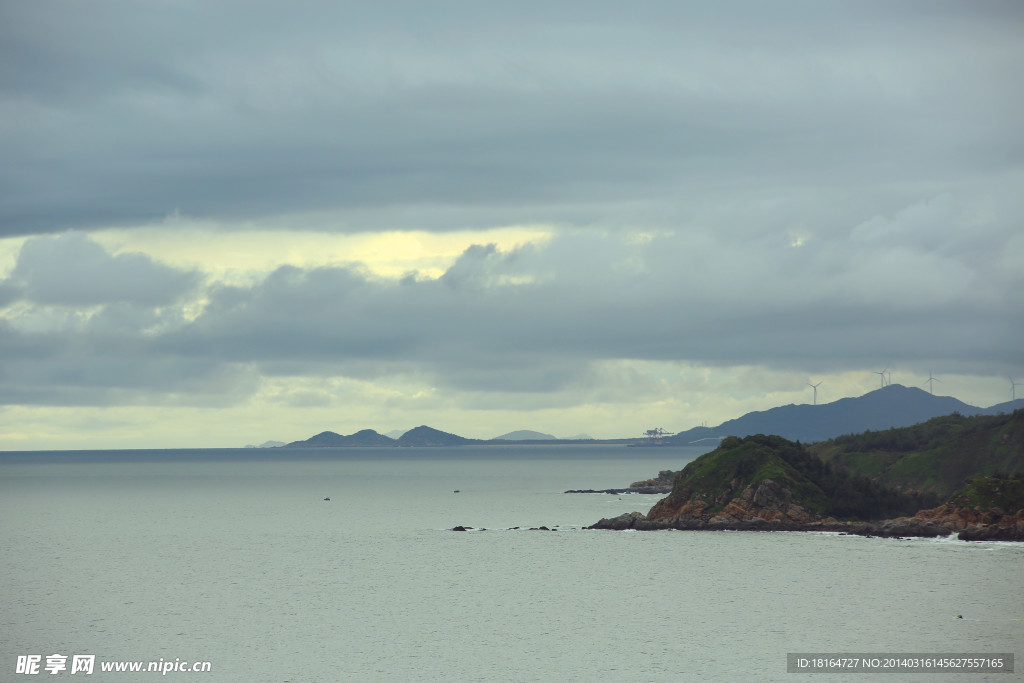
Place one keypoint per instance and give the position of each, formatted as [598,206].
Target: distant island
[525,435]
[363,438]
[888,407]
[953,474]
[428,437]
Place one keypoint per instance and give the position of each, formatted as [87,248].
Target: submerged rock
[656,490]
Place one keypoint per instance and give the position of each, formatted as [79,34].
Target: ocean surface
[233,557]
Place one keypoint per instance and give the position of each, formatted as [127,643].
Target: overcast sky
[224,223]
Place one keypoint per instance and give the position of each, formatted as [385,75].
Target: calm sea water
[233,557]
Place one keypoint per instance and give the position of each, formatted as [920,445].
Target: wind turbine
[815,387]
[882,375]
[930,380]
[1013,387]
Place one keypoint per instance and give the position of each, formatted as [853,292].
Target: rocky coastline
[767,483]
[969,524]
[1010,528]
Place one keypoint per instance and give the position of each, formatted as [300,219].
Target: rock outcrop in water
[661,484]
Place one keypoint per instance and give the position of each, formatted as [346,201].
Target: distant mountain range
[420,436]
[366,437]
[891,406]
[428,436]
[525,435]
[424,436]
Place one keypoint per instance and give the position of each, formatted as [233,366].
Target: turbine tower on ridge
[1013,387]
[929,382]
[815,387]
[881,375]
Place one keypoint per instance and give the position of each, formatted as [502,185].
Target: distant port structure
[655,436]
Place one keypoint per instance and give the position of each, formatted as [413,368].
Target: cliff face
[766,501]
[958,519]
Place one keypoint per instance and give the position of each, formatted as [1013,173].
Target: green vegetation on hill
[998,491]
[937,456]
[717,477]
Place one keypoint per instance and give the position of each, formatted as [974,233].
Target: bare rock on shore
[628,520]
[974,524]
[764,503]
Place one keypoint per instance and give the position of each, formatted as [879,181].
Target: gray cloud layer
[532,320]
[819,186]
[484,113]
[74,271]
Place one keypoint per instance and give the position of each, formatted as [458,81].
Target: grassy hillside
[1005,493]
[937,456]
[719,476]
[736,463]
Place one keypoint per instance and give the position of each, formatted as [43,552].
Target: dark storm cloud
[104,365]
[72,270]
[82,326]
[483,113]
